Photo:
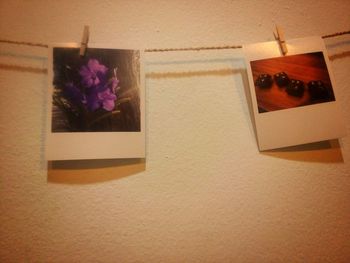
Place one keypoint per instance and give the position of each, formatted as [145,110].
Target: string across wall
[42,45]
[163,49]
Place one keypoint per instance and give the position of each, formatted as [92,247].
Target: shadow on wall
[92,171]
[321,152]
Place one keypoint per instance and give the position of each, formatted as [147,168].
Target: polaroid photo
[294,97]
[96,103]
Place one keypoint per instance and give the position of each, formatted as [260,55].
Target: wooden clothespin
[84,41]
[279,36]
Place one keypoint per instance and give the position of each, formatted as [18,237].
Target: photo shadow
[319,152]
[93,171]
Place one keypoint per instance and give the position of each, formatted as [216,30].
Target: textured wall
[204,193]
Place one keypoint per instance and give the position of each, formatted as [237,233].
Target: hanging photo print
[96,104]
[293,96]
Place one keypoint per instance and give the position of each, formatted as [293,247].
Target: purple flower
[107,99]
[112,84]
[98,91]
[92,101]
[93,74]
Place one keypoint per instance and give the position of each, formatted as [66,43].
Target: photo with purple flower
[99,92]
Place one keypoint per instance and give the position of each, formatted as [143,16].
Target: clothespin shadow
[279,36]
[84,41]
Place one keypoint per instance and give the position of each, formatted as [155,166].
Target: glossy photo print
[95,93]
[293,97]
[95,103]
[291,81]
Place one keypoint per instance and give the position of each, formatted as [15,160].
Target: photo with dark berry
[99,92]
[291,81]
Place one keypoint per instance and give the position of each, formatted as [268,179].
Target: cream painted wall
[204,193]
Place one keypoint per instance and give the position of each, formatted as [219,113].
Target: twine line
[163,49]
[192,48]
[24,43]
[336,34]
[44,71]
